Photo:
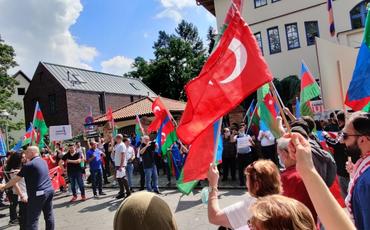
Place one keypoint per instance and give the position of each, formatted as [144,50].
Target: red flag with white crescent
[234,70]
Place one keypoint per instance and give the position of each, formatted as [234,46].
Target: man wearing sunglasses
[356,136]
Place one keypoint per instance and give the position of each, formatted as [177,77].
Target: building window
[134,86]
[275,1]
[259,3]
[358,15]
[52,104]
[102,103]
[21,91]
[312,31]
[292,36]
[274,40]
[259,40]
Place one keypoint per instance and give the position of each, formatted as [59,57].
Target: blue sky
[93,34]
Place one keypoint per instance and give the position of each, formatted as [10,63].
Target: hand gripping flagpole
[273,91]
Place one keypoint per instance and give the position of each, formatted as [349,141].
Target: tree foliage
[7,86]
[179,57]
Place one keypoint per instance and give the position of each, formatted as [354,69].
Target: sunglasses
[345,136]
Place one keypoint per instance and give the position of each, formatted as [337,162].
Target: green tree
[179,57]
[7,87]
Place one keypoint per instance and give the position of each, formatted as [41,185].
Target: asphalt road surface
[189,211]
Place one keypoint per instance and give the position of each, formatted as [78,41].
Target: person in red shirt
[292,182]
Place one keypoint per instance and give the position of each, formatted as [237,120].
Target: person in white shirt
[268,146]
[119,152]
[245,155]
[263,179]
[130,156]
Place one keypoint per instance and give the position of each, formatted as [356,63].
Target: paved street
[189,211]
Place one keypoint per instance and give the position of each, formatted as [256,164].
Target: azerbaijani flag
[166,135]
[267,110]
[309,90]
[39,125]
[358,94]
[253,119]
[2,145]
[139,131]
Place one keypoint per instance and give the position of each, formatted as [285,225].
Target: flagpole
[250,122]
[272,89]
[217,140]
[248,110]
[34,118]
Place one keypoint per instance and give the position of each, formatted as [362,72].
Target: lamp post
[4,114]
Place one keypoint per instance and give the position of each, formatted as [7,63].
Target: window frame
[21,88]
[268,38]
[362,14]
[101,101]
[286,34]
[261,47]
[305,29]
[255,5]
[52,103]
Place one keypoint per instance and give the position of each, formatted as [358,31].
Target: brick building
[66,94]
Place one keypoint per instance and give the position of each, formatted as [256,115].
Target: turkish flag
[234,70]
[160,113]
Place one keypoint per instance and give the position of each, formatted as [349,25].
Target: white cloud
[146,35]
[172,9]
[40,31]
[179,4]
[171,14]
[117,65]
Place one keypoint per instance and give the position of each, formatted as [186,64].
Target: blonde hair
[281,213]
[264,178]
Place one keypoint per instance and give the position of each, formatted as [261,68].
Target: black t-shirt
[71,167]
[36,176]
[106,149]
[148,156]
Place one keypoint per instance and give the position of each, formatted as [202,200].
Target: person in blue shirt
[94,158]
[356,136]
[39,189]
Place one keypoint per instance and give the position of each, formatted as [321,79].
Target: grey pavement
[189,211]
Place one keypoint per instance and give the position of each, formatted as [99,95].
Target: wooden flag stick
[272,89]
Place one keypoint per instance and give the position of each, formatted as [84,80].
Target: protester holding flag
[39,189]
[263,179]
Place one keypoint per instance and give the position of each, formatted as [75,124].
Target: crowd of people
[290,181]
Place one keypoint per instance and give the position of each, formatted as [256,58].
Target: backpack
[324,163]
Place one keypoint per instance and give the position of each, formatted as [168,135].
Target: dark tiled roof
[86,80]
[208,4]
[142,107]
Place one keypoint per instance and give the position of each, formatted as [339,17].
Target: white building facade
[286,29]
[20,91]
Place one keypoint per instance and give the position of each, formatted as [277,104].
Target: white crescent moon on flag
[241,60]
[156,109]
